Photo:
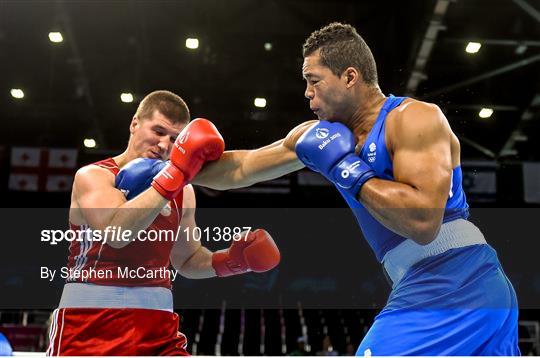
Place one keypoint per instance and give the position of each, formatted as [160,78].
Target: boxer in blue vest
[396,162]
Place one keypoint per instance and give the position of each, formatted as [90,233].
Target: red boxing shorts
[115,332]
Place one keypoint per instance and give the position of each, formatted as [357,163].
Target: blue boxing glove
[137,175]
[328,148]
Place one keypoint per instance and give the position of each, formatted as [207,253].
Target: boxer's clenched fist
[329,148]
[136,176]
[255,251]
[196,144]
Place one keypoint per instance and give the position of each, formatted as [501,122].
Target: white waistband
[454,234]
[85,295]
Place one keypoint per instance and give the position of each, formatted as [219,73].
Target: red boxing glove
[196,144]
[256,252]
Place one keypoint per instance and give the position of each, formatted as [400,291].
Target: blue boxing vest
[375,154]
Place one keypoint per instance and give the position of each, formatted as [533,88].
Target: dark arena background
[73,72]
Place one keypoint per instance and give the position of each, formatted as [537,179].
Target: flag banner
[42,169]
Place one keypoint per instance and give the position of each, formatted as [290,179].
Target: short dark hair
[341,47]
[167,103]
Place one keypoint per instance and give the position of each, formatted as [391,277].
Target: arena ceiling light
[126,97]
[268,46]
[17,93]
[260,102]
[56,37]
[192,43]
[473,47]
[485,113]
[89,142]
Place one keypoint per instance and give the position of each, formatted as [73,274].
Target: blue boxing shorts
[457,303]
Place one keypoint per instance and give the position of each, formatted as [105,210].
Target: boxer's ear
[352,76]
[135,123]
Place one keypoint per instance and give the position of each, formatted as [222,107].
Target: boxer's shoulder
[414,121]
[92,176]
[93,171]
[412,111]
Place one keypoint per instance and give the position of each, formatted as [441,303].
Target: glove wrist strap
[351,173]
[169,182]
[224,266]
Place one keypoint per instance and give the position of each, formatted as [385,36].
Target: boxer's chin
[320,115]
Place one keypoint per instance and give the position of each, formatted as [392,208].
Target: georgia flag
[42,169]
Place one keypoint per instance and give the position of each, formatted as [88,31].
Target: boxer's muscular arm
[241,168]
[188,256]
[413,204]
[102,205]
